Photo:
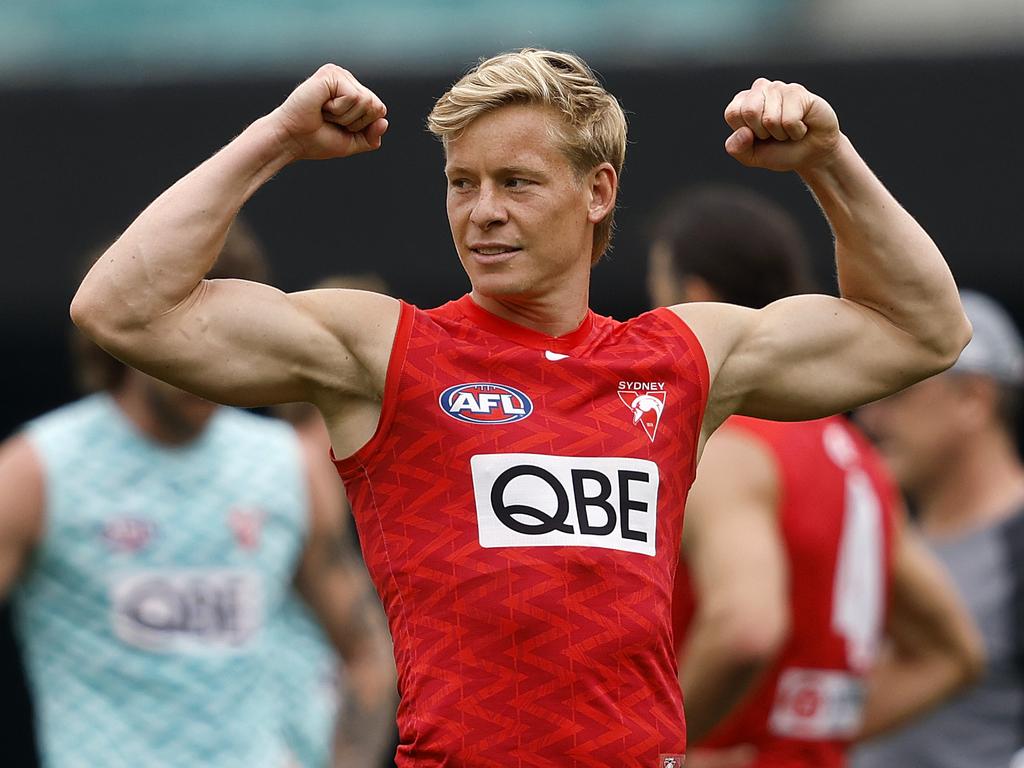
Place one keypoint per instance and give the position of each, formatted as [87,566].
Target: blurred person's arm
[334,582]
[737,561]
[234,341]
[899,318]
[934,649]
[22,510]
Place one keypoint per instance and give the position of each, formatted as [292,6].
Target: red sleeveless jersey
[520,508]
[836,515]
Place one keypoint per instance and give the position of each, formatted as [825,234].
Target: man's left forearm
[367,719]
[885,259]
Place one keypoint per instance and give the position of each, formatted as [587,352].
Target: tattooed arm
[334,582]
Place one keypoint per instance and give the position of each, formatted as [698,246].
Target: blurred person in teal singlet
[152,539]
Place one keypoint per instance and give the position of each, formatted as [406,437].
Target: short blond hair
[593,127]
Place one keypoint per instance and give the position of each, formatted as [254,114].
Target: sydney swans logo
[646,401]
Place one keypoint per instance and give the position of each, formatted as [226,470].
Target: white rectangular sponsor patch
[817,704]
[187,610]
[536,500]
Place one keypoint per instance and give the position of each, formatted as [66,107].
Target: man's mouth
[493,250]
[493,253]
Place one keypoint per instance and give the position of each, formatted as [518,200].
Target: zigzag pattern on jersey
[526,656]
[100,699]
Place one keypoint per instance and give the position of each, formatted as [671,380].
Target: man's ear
[603,184]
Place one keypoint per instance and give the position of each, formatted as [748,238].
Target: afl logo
[484,403]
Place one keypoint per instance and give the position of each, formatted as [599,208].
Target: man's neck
[554,314]
[982,485]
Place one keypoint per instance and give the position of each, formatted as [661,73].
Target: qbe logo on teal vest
[187,610]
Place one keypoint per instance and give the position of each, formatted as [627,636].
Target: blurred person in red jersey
[794,564]
[952,443]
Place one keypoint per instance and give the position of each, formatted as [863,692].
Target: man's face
[920,429]
[519,215]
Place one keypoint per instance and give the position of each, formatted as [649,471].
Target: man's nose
[489,208]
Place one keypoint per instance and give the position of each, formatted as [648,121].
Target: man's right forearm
[901,689]
[162,257]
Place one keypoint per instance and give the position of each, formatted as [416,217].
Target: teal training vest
[148,614]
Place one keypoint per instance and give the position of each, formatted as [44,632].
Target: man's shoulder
[359,319]
[343,309]
[714,322]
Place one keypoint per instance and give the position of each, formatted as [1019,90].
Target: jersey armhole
[396,364]
[693,344]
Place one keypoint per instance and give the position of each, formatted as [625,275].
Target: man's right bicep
[248,344]
[22,501]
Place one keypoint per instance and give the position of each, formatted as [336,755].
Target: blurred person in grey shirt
[950,440]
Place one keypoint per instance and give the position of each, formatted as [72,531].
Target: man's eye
[458,183]
[517,183]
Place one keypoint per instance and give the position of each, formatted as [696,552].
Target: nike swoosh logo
[554,356]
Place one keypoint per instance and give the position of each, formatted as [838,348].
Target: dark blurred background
[104,103]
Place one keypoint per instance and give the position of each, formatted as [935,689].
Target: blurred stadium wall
[104,103]
[135,40]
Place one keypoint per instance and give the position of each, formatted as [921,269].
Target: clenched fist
[781,126]
[331,114]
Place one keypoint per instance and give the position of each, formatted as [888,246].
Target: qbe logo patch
[485,403]
[187,610]
[536,500]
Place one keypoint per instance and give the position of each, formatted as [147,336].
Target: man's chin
[499,286]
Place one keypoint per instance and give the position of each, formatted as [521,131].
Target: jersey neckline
[520,334]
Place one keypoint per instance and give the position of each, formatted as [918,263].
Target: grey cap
[996,349]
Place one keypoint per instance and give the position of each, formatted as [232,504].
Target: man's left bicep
[806,357]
